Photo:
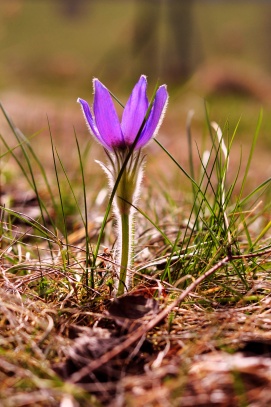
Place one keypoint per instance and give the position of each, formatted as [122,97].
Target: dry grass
[200,357]
[202,346]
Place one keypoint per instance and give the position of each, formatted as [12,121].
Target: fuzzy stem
[125,251]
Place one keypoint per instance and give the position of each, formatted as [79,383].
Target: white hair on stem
[124,207]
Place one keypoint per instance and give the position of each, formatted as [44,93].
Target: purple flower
[104,123]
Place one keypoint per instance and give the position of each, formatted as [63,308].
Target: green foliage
[220,221]
[217,237]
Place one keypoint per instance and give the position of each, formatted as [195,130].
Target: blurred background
[206,51]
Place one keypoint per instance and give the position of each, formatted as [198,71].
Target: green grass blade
[89,265]
[65,231]
[22,140]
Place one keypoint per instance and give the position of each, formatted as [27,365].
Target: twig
[142,330]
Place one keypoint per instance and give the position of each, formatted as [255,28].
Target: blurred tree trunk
[168,55]
[178,64]
[146,41]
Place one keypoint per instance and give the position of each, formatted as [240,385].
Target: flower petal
[90,122]
[106,117]
[155,118]
[135,111]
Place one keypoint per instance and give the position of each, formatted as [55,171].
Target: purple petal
[155,118]
[90,122]
[135,111]
[106,117]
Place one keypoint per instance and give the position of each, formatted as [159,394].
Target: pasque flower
[104,123]
[121,140]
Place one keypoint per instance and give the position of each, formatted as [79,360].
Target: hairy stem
[126,240]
